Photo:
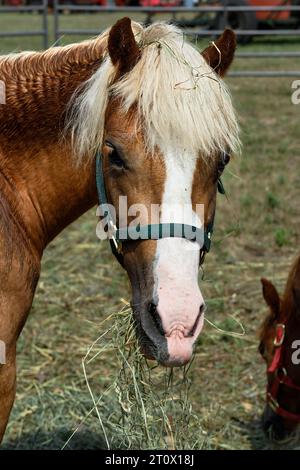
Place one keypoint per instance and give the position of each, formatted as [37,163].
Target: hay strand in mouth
[138,404]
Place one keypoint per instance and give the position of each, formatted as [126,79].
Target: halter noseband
[280,376]
[148,232]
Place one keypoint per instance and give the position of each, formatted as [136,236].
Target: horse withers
[280,347]
[161,117]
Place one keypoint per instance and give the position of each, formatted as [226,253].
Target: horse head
[161,117]
[279,346]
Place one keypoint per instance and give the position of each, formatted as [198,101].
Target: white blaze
[177,259]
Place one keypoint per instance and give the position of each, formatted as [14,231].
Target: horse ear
[122,47]
[220,54]
[271,296]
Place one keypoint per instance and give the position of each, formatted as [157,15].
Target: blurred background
[267,30]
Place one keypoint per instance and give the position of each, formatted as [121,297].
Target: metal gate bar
[58,8]
[44,32]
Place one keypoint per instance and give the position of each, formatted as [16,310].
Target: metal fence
[224,10]
[197,32]
[41,8]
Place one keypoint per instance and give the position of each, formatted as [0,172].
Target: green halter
[152,231]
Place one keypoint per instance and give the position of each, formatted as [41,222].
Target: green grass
[256,234]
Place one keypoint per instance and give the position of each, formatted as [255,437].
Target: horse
[159,116]
[280,347]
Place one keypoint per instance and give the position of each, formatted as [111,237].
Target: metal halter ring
[278,340]
[280,373]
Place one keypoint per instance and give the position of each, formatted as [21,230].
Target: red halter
[280,376]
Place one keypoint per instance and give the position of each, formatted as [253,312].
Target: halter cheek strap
[117,236]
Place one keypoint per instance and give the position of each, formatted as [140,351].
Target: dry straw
[141,406]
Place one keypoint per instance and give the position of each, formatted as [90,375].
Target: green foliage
[272,200]
[281,237]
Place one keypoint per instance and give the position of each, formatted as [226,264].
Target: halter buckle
[112,230]
[280,334]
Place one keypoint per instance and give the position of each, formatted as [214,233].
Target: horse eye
[115,159]
[114,156]
[261,348]
[224,160]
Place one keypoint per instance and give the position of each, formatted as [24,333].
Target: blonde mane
[180,100]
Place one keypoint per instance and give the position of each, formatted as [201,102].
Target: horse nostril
[152,309]
[273,425]
[202,309]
